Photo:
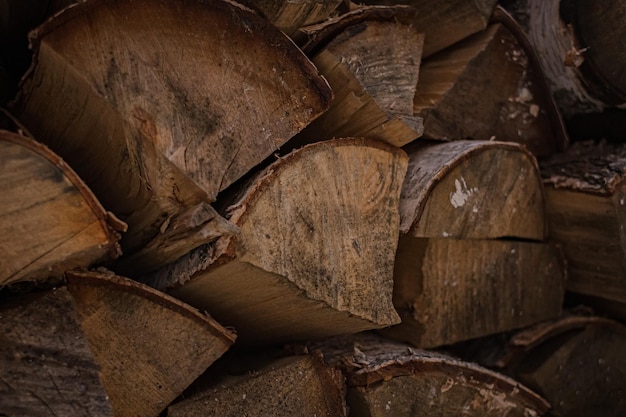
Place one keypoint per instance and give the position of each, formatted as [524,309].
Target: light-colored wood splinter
[448,290]
[50,221]
[164,104]
[372,67]
[149,346]
[393,379]
[287,387]
[315,253]
[472,190]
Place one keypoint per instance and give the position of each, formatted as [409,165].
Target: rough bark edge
[100,279]
[475,147]
[110,224]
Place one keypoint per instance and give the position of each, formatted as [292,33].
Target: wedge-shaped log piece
[448,290]
[149,346]
[585,191]
[46,366]
[319,231]
[292,386]
[393,379]
[444,22]
[290,15]
[472,189]
[50,221]
[165,103]
[489,86]
[373,68]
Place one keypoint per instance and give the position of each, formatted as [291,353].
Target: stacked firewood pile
[320,208]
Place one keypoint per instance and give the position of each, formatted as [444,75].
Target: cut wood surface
[319,231]
[373,68]
[586,209]
[165,104]
[488,87]
[293,386]
[46,366]
[149,346]
[50,221]
[444,22]
[577,363]
[448,290]
[387,378]
[472,189]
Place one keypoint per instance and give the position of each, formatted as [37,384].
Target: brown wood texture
[448,290]
[315,254]
[373,68]
[444,22]
[149,346]
[292,386]
[472,189]
[387,378]
[46,366]
[487,87]
[586,210]
[50,221]
[165,104]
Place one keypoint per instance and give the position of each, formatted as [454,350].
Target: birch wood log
[153,96]
[319,231]
[50,221]
[149,346]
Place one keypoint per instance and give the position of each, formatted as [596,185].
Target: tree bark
[319,230]
[149,346]
[153,95]
[50,221]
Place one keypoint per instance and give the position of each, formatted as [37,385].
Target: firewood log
[46,365]
[489,86]
[165,104]
[444,22]
[372,66]
[319,231]
[292,386]
[50,221]
[386,378]
[586,209]
[149,346]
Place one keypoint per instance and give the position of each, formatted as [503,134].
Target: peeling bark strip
[50,221]
[586,208]
[373,67]
[153,96]
[46,366]
[393,379]
[149,346]
[315,254]
[472,190]
[448,290]
[489,87]
[288,387]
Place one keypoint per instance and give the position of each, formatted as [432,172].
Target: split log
[444,22]
[386,378]
[289,15]
[487,87]
[586,209]
[576,363]
[152,135]
[292,386]
[372,67]
[50,221]
[46,366]
[472,190]
[319,231]
[149,346]
[448,290]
